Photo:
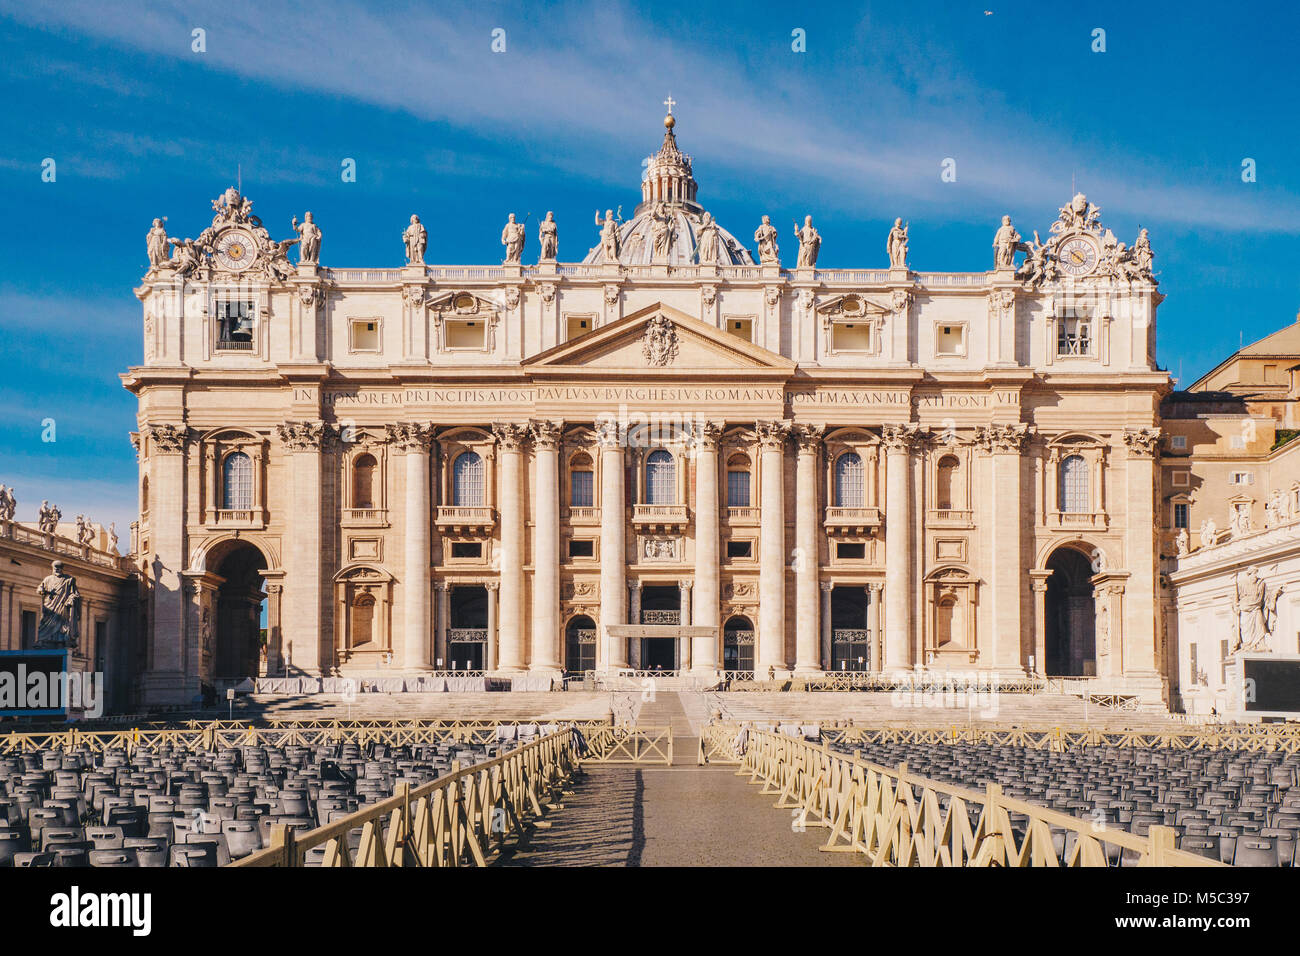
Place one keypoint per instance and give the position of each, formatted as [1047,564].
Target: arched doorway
[1070,615]
[580,645]
[738,645]
[233,642]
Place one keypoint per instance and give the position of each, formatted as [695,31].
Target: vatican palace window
[1073,336]
[235,324]
[582,493]
[738,482]
[237,482]
[467,481]
[660,478]
[848,481]
[1074,485]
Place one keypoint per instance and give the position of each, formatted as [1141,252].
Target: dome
[668,191]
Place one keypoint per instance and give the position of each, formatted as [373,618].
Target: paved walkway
[682,815]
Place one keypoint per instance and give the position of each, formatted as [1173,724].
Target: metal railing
[459,819]
[896,818]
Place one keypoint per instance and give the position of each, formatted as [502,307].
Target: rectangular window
[466,549]
[741,328]
[1073,336]
[576,325]
[582,489]
[851,337]
[465,335]
[1241,478]
[1180,515]
[737,489]
[235,324]
[365,335]
[582,548]
[740,549]
[850,550]
[950,340]
[1178,442]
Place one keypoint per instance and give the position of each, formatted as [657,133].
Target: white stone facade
[451,465]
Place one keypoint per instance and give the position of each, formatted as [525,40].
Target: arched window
[848,481]
[237,482]
[1073,483]
[580,645]
[467,480]
[738,481]
[738,644]
[945,499]
[660,478]
[363,620]
[582,482]
[363,481]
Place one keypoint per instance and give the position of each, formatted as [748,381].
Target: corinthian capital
[772,434]
[510,435]
[546,433]
[1004,439]
[302,436]
[410,436]
[901,437]
[166,439]
[809,437]
[1142,442]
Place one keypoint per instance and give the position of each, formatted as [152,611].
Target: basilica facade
[677,455]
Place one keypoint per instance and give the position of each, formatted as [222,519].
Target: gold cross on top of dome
[670,103]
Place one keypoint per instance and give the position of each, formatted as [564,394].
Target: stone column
[168,680]
[417,594]
[806,568]
[547,652]
[634,617]
[708,564]
[490,652]
[510,503]
[771,573]
[442,605]
[898,441]
[874,593]
[613,546]
[274,633]
[1039,583]
[684,587]
[1135,645]
[827,648]
[302,441]
[1004,443]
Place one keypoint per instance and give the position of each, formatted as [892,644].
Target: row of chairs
[1238,807]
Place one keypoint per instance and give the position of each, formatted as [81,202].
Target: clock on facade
[1078,256]
[236,251]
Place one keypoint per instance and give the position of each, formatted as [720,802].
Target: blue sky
[853,131]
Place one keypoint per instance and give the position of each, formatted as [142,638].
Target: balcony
[852,520]
[1077,520]
[467,635]
[365,517]
[584,516]
[661,617]
[950,517]
[660,517]
[462,519]
[239,518]
[742,516]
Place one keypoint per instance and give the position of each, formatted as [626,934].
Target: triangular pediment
[660,338]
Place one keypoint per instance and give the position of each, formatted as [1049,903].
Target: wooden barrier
[897,818]
[635,745]
[463,818]
[218,734]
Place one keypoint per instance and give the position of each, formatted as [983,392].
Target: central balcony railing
[852,520]
[369,517]
[464,518]
[467,635]
[661,617]
[659,516]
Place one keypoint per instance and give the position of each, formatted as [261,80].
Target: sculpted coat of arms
[659,342]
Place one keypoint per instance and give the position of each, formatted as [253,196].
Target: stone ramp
[672,816]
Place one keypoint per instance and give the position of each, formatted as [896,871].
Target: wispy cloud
[564,89]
